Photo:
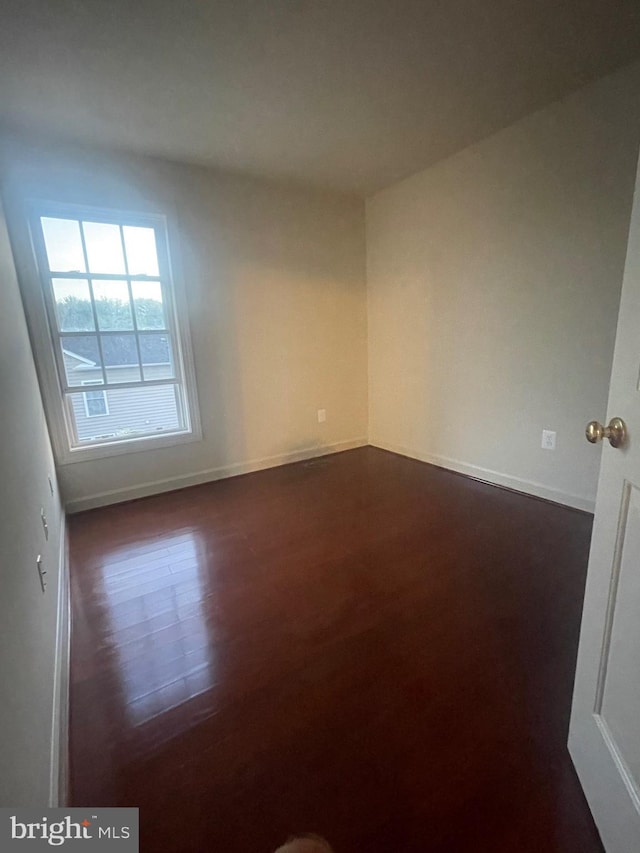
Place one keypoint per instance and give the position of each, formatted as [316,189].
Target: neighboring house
[107,413]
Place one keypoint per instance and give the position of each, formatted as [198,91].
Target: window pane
[104,247]
[120,358]
[63,244]
[147,301]
[140,245]
[131,412]
[73,305]
[113,307]
[81,359]
[157,359]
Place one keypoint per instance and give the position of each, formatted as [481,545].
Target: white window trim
[96,387]
[59,416]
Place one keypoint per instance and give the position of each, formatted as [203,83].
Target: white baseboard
[60,717]
[209,475]
[529,487]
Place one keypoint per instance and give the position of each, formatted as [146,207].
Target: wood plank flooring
[361,646]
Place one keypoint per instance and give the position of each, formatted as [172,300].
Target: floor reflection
[155,620]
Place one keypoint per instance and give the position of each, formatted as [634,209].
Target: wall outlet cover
[548,439]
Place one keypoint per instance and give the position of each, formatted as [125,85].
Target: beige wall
[27,617]
[494,279]
[275,282]
[493,285]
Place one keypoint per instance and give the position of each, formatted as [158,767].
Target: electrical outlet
[322,415]
[548,439]
[45,526]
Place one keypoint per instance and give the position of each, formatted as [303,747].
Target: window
[95,402]
[114,323]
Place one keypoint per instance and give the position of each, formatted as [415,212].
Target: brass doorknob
[616,432]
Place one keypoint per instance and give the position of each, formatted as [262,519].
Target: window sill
[133,445]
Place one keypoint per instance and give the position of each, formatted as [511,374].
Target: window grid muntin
[167,306]
[132,306]
[93,306]
[169,313]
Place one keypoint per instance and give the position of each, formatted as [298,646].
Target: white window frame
[41,315]
[99,387]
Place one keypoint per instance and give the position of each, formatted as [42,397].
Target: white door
[604,738]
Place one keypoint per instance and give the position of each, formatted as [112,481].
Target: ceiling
[346,94]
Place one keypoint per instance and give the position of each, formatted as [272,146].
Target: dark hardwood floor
[362,646]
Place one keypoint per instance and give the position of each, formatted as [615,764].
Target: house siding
[155,410]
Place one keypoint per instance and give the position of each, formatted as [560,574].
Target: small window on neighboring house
[115,323]
[95,402]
